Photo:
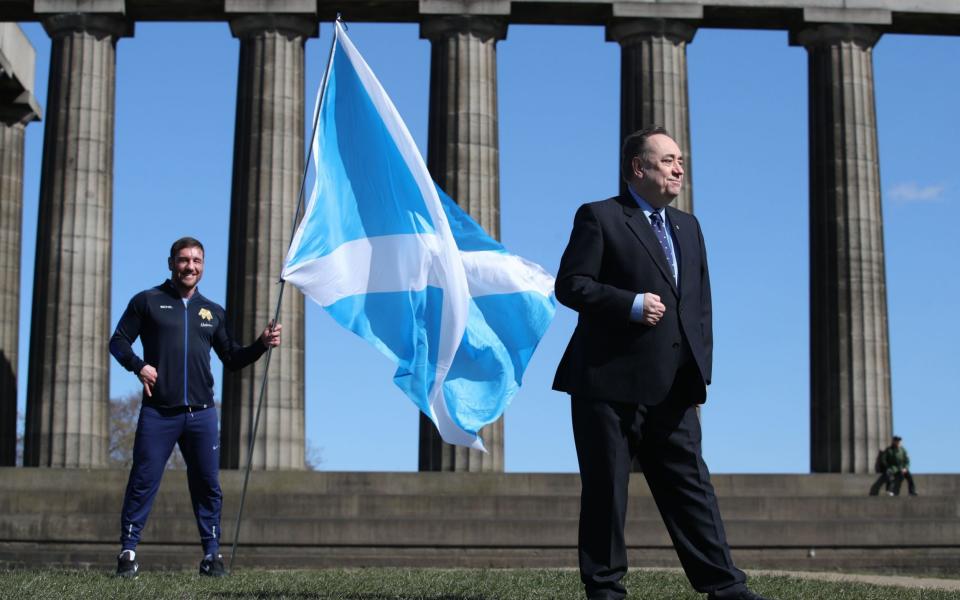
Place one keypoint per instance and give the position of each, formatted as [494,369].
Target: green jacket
[895,460]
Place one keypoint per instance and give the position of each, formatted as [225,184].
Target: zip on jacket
[179,348]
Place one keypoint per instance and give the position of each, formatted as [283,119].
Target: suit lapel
[685,238]
[637,223]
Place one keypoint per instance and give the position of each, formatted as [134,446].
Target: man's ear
[637,166]
[170,263]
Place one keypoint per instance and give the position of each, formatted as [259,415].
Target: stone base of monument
[70,518]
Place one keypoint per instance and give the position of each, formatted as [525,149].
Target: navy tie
[657,221]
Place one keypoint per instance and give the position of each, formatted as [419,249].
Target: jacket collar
[168,287]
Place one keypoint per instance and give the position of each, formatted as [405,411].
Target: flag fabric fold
[392,258]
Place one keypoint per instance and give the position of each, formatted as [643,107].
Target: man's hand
[148,377]
[271,335]
[653,309]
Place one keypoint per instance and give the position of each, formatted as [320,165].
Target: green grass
[411,584]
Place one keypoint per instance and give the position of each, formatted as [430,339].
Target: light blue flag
[396,261]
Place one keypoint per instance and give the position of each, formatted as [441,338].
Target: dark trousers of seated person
[891,482]
[666,440]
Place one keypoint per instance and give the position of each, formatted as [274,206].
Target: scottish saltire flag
[396,261]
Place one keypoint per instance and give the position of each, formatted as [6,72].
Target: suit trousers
[666,440]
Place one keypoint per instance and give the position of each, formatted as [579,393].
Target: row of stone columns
[67,408]
[850,393]
[67,384]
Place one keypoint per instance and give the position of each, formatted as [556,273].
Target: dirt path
[930,583]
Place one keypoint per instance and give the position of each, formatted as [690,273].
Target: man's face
[896,443]
[658,171]
[186,268]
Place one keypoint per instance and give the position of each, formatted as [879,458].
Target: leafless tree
[124,414]
[313,457]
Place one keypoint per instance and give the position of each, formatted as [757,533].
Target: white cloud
[912,192]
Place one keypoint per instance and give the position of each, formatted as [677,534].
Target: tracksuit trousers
[196,432]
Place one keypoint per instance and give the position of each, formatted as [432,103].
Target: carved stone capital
[291,26]
[629,32]
[443,26]
[98,25]
[830,34]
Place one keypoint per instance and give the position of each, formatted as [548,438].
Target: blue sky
[559,124]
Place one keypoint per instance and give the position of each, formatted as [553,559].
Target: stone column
[850,404]
[17,108]
[653,85]
[68,379]
[268,163]
[464,158]
[11,211]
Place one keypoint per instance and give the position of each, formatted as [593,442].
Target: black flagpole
[276,314]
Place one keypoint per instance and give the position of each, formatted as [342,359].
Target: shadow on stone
[8,412]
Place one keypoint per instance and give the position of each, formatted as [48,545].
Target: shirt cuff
[636,311]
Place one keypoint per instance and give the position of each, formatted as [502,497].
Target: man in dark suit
[637,366]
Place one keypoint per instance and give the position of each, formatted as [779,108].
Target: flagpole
[276,314]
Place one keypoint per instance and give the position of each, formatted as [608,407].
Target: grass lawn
[410,584]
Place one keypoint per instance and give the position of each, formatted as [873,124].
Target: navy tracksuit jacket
[177,337]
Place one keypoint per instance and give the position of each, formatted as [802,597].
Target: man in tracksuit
[178,326]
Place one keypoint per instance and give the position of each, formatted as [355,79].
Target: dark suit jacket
[612,256]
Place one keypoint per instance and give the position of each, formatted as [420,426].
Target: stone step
[71,518]
[481,484]
[300,505]
[371,531]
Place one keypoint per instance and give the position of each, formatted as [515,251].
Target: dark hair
[897,438]
[633,146]
[185,242]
